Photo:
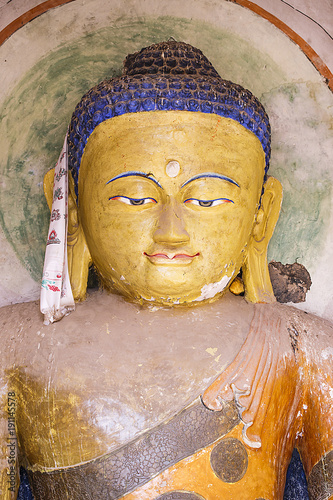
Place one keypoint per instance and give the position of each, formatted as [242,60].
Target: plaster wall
[313,21]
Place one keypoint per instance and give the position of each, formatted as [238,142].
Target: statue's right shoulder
[18,323]
[16,313]
[26,341]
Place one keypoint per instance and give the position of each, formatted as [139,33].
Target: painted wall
[47,65]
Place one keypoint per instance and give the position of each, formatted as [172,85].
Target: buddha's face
[168,201]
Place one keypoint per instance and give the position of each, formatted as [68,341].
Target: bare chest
[97,381]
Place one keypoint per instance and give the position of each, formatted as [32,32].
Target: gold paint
[258,287]
[211,350]
[237,286]
[57,430]
[48,187]
[136,249]
[78,255]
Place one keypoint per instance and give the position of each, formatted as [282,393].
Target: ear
[79,259]
[258,287]
[78,255]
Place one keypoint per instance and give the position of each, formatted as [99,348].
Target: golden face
[168,201]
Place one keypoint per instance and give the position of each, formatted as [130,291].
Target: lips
[170,258]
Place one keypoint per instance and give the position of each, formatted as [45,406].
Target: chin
[177,299]
[167,289]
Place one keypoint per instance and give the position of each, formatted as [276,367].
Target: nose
[171,229]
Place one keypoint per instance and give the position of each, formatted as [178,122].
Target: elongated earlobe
[258,287]
[79,259]
[78,255]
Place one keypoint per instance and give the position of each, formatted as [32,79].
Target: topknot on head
[169,58]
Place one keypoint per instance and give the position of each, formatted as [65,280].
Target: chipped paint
[211,350]
[209,291]
[326,353]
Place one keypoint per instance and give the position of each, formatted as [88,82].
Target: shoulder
[16,314]
[17,321]
[306,331]
[29,347]
[314,335]
[22,328]
[314,354]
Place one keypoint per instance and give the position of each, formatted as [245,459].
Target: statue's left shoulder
[311,337]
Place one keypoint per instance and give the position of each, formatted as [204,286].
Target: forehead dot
[173,168]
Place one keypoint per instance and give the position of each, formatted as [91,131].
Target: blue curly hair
[165,76]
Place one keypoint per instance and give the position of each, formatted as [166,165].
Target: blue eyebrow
[208,174]
[134,172]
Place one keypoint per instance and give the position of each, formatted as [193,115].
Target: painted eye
[133,201]
[208,203]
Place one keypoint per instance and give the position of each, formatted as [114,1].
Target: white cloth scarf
[56,298]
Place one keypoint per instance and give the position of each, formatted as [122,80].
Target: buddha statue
[166,383]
